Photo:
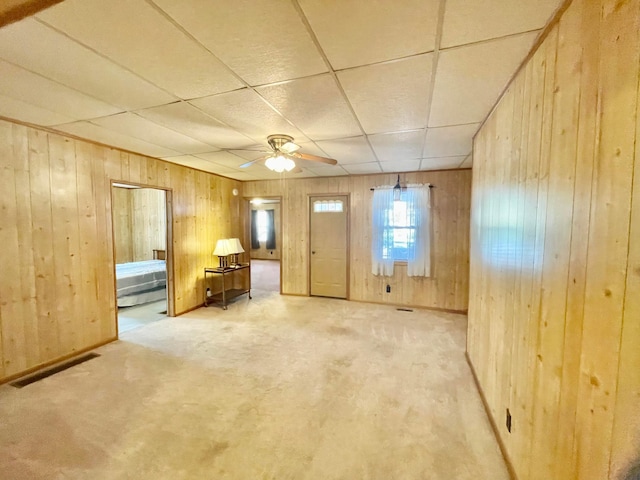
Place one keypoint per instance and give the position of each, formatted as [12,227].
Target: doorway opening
[141,234]
[265,233]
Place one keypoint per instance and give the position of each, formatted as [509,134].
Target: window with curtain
[263,229]
[401,231]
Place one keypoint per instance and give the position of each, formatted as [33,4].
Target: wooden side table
[229,292]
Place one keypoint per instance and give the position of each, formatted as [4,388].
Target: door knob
[313,252]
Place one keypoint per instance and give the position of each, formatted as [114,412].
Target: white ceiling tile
[467,22]
[450,141]
[274,45]
[199,164]
[360,32]
[398,146]
[140,38]
[312,149]
[468,162]
[223,158]
[20,84]
[315,105]
[251,153]
[245,111]
[444,163]
[305,173]
[401,166]
[348,150]
[329,171]
[391,96]
[242,176]
[42,50]
[138,127]
[25,112]
[187,119]
[109,137]
[363,168]
[470,79]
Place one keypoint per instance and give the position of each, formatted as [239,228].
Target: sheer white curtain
[381,261]
[401,231]
[418,200]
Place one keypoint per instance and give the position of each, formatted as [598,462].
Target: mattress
[139,277]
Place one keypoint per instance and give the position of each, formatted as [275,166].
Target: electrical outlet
[508,420]
[388,288]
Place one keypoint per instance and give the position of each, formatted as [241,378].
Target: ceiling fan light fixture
[280,163]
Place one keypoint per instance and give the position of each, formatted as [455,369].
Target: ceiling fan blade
[257,160]
[289,147]
[315,158]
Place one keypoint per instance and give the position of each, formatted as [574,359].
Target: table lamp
[223,250]
[236,248]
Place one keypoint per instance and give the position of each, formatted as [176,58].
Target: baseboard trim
[55,361]
[401,305]
[492,420]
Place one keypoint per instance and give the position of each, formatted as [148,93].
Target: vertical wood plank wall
[554,309]
[139,223]
[57,288]
[262,253]
[448,286]
[122,224]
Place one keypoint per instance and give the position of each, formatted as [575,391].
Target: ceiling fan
[285,155]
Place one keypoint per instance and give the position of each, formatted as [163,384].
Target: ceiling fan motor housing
[277,141]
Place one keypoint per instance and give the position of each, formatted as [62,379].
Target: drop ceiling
[381,86]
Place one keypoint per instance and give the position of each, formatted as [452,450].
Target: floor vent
[23,382]
[404,309]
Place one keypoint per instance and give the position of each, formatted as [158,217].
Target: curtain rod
[391,188]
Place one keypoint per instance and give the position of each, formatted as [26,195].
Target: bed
[141,282]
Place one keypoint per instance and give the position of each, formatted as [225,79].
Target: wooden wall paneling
[42,242]
[608,234]
[25,242]
[513,218]
[11,308]
[449,250]
[574,381]
[106,165]
[625,445]
[585,22]
[540,405]
[148,222]
[66,244]
[122,224]
[565,94]
[89,253]
[57,240]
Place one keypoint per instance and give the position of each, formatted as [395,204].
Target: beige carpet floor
[265,275]
[274,388]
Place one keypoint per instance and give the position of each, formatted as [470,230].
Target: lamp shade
[236,246]
[280,163]
[223,248]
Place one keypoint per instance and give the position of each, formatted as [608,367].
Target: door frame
[247,225]
[348,212]
[168,198]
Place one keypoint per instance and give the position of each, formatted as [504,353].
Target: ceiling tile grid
[268,45]
[392,96]
[378,85]
[361,32]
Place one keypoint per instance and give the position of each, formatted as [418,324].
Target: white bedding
[140,282]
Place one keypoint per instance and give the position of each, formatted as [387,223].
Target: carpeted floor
[265,275]
[274,388]
[140,315]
